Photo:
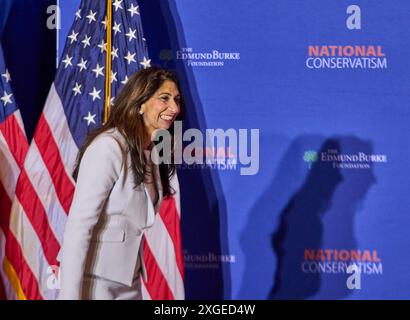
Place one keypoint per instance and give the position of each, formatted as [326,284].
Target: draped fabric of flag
[73,108]
[13,149]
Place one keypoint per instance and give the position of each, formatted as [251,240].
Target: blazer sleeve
[99,169]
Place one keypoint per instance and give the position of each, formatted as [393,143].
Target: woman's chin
[164,124]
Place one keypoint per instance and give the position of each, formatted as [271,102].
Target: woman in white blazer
[118,191]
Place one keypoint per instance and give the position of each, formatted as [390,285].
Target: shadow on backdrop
[301,227]
[339,221]
[255,238]
[203,204]
[308,209]
[321,215]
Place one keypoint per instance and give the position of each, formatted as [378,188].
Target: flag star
[112,101]
[113,76]
[117,5]
[78,14]
[6,98]
[133,10]
[90,118]
[95,94]
[98,71]
[102,46]
[131,34]
[67,61]
[146,63]
[73,36]
[77,89]
[86,41]
[91,16]
[82,64]
[6,76]
[125,80]
[114,53]
[105,23]
[116,28]
[130,57]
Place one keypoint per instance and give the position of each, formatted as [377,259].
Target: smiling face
[160,111]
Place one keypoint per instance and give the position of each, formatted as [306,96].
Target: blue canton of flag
[7,102]
[80,79]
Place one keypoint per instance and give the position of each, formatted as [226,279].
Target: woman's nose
[173,106]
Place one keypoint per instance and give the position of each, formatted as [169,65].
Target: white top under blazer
[107,219]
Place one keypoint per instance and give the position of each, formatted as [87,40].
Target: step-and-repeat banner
[309,196]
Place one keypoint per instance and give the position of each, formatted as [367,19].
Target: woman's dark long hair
[125,117]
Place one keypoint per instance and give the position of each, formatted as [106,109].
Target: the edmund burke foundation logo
[346,57]
[209,260]
[211,58]
[359,160]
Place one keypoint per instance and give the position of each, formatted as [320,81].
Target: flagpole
[107,100]
[58,34]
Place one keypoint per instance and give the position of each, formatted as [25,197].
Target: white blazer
[106,221]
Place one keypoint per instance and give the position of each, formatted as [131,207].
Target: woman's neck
[147,141]
[148,145]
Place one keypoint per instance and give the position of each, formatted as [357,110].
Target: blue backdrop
[334,174]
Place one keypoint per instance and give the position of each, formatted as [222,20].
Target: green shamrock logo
[310,157]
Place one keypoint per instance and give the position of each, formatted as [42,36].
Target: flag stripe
[170,218]
[13,250]
[45,191]
[31,204]
[9,168]
[163,252]
[4,284]
[33,252]
[54,115]
[5,292]
[3,295]
[156,285]
[27,280]
[52,159]
[8,176]
[16,139]
[4,209]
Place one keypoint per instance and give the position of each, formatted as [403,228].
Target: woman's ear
[142,109]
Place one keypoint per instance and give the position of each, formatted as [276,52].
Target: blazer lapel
[151,210]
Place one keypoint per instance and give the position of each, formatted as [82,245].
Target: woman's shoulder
[104,155]
[111,133]
[110,136]
[108,142]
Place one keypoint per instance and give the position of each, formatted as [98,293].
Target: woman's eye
[164,98]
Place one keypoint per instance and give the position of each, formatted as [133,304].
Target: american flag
[13,149]
[73,108]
